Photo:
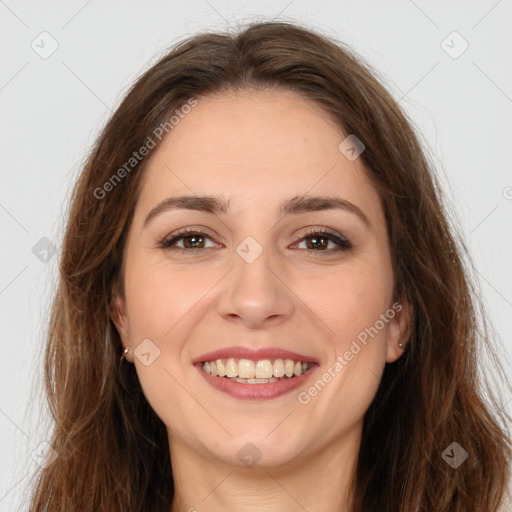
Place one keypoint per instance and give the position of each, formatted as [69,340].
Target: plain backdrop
[54,104]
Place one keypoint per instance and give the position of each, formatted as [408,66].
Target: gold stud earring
[126,350]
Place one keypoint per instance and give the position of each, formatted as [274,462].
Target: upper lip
[239,352]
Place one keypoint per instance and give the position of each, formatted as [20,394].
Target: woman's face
[274,271]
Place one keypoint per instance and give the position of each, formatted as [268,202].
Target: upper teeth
[248,369]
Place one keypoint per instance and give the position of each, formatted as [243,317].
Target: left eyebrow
[304,204]
[294,206]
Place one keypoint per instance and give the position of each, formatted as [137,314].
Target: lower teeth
[256,381]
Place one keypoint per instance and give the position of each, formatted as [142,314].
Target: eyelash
[342,243]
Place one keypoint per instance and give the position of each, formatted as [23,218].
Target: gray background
[52,109]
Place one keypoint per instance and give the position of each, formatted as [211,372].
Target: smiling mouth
[248,371]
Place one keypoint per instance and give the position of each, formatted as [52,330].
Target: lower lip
[256,391]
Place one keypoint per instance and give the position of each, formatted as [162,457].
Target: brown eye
[318,241]
[191,240]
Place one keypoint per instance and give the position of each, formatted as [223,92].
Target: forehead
[256,147]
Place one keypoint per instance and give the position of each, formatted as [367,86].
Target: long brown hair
[113,450]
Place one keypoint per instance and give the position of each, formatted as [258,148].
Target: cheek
[161,298]
[161,309]
[352,300]
[352,306]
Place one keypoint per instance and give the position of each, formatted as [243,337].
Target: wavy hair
[113,451]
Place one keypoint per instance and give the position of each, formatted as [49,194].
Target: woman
[259,235]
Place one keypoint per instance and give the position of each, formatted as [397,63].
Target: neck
[318,482]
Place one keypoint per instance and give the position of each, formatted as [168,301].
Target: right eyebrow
[200,203]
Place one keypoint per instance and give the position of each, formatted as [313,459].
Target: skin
[258,149]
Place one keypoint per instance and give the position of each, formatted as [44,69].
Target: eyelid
[311,230]
[342,242]
[182,233]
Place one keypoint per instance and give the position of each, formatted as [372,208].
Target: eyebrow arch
[293,206]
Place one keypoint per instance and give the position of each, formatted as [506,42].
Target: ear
[120,319]
[399,329]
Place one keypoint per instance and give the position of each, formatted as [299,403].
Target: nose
[256,294]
